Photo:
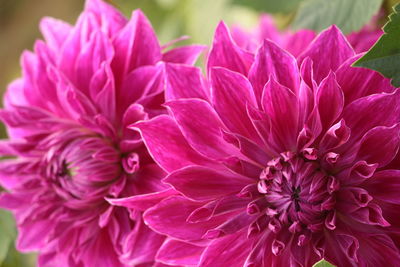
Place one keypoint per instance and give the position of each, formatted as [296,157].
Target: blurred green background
[171,19]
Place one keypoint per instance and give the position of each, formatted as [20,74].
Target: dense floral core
[298,193]
[82,166]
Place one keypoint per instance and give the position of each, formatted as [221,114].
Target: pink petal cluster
[296,42]
[283,155]
[69,147]
[278,159]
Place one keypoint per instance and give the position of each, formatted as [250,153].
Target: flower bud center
[81,167]
[298,190]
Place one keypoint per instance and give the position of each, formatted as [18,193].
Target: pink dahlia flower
[296,42]
[69,146]
[282,162]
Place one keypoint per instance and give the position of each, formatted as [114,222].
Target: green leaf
[384,56]
[348,15]
[4,245]
[323,263]
[271,6]
[14,258]
[7,233]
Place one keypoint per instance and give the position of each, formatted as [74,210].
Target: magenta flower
[296,42]
[283,162]
[69,146]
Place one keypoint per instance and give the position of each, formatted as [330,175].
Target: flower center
[81,167]
[62,171]
[298,192]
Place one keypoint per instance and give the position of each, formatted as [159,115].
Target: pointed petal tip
[45,21]
[221,31]
[222,26]
[94,4]
[268,42]
[139,13]
[142,123]
[212,234]
[138,16]
[115,201]
[335,28]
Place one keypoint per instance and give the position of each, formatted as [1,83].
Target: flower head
[69,147]
[281,162]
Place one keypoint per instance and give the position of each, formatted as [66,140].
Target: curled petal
[380,145]
[371,111]
[165,216]
[384,185]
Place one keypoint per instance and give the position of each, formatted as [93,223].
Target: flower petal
[135,45]
[139,83]
[281,105]
[54,31]
[141,245]
[273,61]
[176,252]
[225,53]
[371,111]
[184,54]
[32,235]
[171,212]
[141,202]
[167,145]
[380,145]
[202,127]
[231,92]
[296,42]
[385,186]
[360,82]
[328,51]
[330,100]
[201,184]
[230,250]
[110,18]
[184,82]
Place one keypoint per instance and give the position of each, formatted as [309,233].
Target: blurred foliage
[171,19]
[195,18]
[7,230]
[348,15]
[16,259]
[271,6]
[9,256]
[390,3]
